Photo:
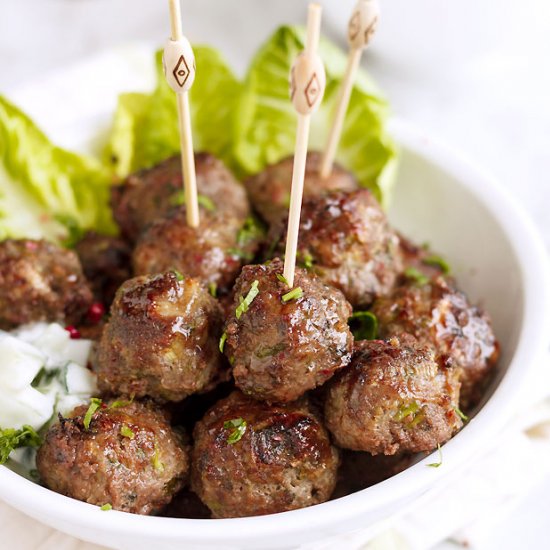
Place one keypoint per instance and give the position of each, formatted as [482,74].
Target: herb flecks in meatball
[121,454]
[281,460]
[150,194]
[269,190]
[161,339]
[40,281]
[393,398]
[437,314]
[283,342]
[346,240]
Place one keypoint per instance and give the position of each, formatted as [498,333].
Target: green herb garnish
[461,415]
[222,341]
[178,274]
[95,403]
[308,260]
[11,439]
[437,464]
[245,302]
[157,464]
[206,202]
[294,294]
[213,289]
[364,325]
[121,403]
[438,261]
[282,278]
[418,277]
[239,427]
[125,431]
[75,233]
[106,508]
[406,410]
[250,231]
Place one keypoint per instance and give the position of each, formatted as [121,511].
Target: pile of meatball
[224,391]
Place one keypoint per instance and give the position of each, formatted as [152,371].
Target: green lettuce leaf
[265,121]
[145,129]
[45,191]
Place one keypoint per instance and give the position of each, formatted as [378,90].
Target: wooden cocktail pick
[179,67]
[307,86]
[361,28]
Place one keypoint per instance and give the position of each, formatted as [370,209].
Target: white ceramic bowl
[498,260]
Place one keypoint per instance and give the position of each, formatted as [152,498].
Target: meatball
[394,398]
[252,459]
[40,281]
[214,252]
[127,455]
[438,314]
[346,240]
[161,339]
[106,262]
[269,190]
[150,194]
[284,342]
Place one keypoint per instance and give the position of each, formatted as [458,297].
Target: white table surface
[474,72]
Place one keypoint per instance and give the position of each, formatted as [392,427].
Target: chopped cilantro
[461,415]
[213,289]
[437,464]
[417,276]
[245,303]
[239,427]
[222,341]
[438,261]
[11,439]
[106,508]
[282,278]
[178,274]
[125,431]
[364,325]
[95,403]
[294,294]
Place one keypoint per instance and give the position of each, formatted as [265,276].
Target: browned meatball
[269,190]
[106,263]
[150,194]
[420,262]
[281,344]
[346,240]
[127,456]
[438,314]
[40,281]
[393,398]
[214,252]
[161,339]
[252,459]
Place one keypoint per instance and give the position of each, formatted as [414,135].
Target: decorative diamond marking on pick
[354,25]
[369,31]
[292,83]
[312,90]
[181,71]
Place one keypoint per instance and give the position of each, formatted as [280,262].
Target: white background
[475,72]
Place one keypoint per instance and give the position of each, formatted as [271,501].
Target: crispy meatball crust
[439,315]
[346,240]
[128,457]
[393,398]
[106,262]
[213,252]
[161,339]
[151,193]
[283,461]
[280,350]
[40,281]
[269,191]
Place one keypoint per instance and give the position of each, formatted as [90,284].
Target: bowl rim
[40,503]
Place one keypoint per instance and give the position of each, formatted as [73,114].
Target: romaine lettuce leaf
[265,121]
[145,129]
[45,191]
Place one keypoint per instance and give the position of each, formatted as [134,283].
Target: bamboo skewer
[361,28]
[179,69]
[307,86]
